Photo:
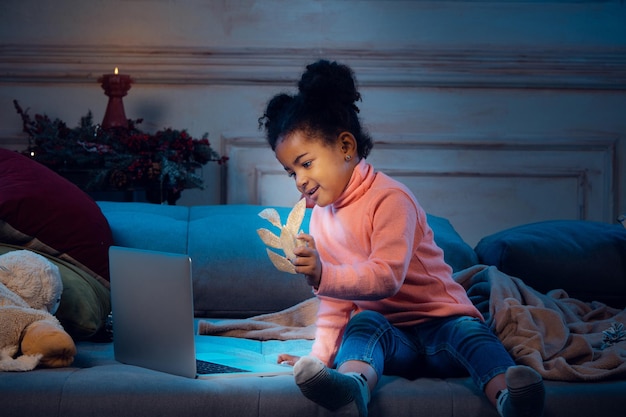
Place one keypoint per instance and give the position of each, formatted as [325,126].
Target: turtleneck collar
[361,180]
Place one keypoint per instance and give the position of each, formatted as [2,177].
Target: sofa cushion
[230,258]
[148,226]
[41,210]
[85,302]
[458,254]
[586,259]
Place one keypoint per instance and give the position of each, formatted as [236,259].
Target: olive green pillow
[85,302]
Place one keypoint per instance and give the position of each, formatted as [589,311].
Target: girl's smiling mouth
[312,191]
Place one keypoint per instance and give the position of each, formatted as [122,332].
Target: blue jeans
[443,347]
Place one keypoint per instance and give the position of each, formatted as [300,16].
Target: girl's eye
[291,174]
[307,164]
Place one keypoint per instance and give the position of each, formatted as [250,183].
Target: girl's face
[320,170]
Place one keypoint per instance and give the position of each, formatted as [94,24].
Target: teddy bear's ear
[32,277]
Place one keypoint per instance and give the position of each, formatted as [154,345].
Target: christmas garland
[119,158]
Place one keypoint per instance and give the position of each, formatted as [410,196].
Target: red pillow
[41,210]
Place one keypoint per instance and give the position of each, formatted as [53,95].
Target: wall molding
[479,183]
[558,68]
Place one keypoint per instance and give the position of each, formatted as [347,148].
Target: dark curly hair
[323,108]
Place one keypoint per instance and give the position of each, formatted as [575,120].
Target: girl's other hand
[287,359]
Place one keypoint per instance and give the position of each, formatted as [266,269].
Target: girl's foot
[525,393]
[329,388]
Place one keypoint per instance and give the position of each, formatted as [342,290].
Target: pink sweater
[378,254]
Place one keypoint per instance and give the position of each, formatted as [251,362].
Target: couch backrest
[232,274]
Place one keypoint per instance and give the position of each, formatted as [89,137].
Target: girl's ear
[348,143]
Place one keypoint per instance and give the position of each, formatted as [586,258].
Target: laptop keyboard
[204,367]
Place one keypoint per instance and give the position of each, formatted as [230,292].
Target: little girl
[388,303]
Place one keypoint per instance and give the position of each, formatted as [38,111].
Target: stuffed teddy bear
[30,293]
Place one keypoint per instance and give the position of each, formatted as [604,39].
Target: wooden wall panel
[494,112]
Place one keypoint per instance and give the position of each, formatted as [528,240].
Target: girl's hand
[287,359]
[308,261]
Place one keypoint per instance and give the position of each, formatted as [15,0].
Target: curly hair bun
[325,83]
[277,105]
[271,119]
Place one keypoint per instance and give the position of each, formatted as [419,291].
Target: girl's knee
[367,321]
[470,326]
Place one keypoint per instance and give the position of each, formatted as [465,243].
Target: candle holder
[115,87]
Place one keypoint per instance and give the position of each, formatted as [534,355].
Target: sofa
[234,279]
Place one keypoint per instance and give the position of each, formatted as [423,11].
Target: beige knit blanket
[562,338]
[297,322]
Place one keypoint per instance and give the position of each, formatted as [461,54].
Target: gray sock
[525,393]
[329,388]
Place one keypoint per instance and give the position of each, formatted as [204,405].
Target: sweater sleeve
[376,265]
[332,317]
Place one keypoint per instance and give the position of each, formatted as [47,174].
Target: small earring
[348,158]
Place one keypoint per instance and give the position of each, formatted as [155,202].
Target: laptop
[153,321]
